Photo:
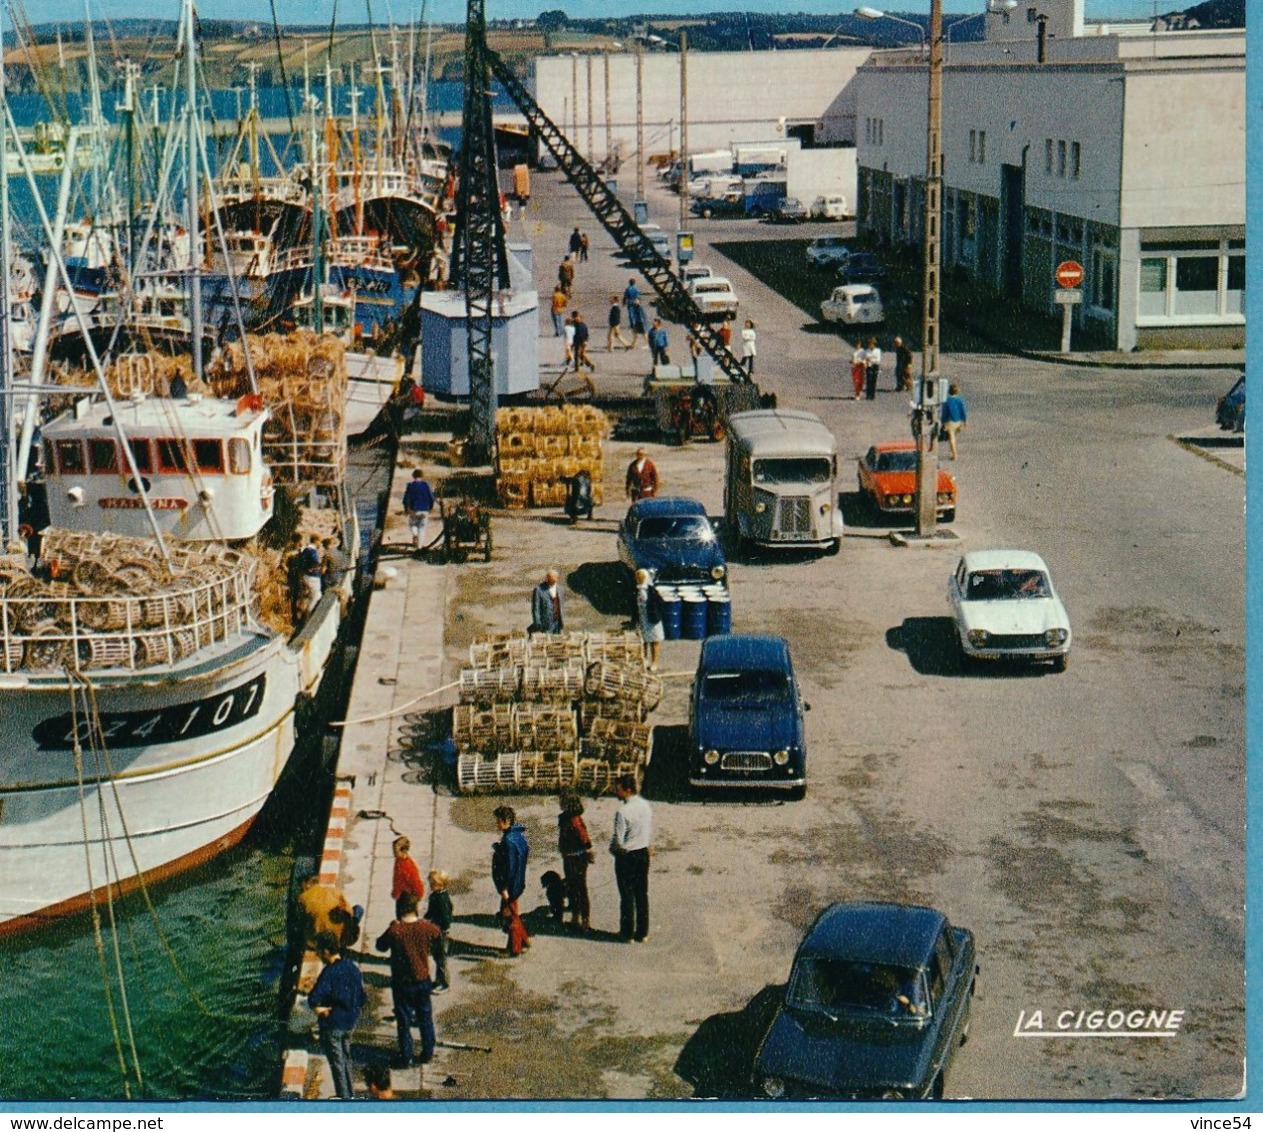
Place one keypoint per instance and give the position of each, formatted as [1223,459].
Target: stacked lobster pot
[553,712]
[538,449]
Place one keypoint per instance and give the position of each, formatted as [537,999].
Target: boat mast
[10,473]
[191,186]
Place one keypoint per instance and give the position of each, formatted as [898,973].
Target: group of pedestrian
[411,940]
[311,569]
[866,368]
[578,245]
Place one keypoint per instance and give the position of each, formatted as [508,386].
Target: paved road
[1087,826]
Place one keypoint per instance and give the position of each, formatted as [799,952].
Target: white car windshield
[1006,585]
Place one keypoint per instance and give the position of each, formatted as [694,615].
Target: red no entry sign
[1069,274]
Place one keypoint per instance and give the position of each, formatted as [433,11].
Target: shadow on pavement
[718,1058]
[930,644]
[605,585]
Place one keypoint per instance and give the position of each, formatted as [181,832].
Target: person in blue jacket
[418,502]
[508,874]
[337,998]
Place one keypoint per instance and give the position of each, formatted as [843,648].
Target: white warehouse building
[1122,151]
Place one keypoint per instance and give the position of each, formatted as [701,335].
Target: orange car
[888,479]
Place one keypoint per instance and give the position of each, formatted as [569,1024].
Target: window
[103,455]
[973,145]
[70,457]
[1104,279]
[1061,158]
[209,456]
[982,147]
[1048,155]
[238,456]
[1236,284]
[141,455]
[1153,286]
[172,456]
[1075,152]
[1196,285]
[1191,280]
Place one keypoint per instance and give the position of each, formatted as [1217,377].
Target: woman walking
[575,847]
[649,618]
[748,347]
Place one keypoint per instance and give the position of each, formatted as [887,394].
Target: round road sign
[1069,274]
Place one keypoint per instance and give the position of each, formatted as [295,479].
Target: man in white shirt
[630,845]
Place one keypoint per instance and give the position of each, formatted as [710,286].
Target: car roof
[857,290]
[827,241]
[667,505]
[902,935]
[738,651]
[895,445]
[711,280]
[767,429]
[1004,560]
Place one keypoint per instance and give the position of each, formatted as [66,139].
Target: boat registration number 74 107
[151,728]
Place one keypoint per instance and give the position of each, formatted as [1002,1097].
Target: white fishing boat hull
[371,382]
[193,751]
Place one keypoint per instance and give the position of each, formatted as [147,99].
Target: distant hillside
[1211,14]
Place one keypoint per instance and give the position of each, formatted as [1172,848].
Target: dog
[555,890]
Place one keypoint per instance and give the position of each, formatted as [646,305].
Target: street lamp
[867,13]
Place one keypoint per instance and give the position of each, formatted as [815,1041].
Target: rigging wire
[280,59]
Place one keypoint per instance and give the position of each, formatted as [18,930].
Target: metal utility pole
[640,121]
[609,129]
[574,97]
[928,394]
[480,258]
[684,128]
[587,62]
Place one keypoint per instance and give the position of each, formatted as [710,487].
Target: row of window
[1207,278]
[1062,156]
[168,455]
[875,131]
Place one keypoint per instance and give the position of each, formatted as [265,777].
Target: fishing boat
[159,638]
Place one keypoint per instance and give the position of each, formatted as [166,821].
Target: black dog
[555,890]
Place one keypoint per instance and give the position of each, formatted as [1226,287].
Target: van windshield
[793,469]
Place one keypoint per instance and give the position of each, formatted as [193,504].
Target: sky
[453,11]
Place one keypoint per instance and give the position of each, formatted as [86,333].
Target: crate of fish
[559,682]
[538,727]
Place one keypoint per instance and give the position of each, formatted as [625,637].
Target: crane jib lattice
[617,221]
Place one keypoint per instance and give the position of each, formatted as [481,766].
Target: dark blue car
[673,539]
[746,717]
[862,267]
[877,1002]
[1230,410]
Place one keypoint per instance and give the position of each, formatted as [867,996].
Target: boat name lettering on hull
[162,503]
[176,724]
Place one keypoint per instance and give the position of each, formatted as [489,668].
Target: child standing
[407,877]
[439,912]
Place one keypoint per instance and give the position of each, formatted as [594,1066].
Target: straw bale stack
[537,447]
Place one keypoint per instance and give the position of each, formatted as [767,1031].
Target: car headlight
[716,572]
[825,508]
[774,1087]
[892,1095]
[977,637]
[710,758]
[1055,637]
[907,498]
[944,497]
[760,507]
[781,758]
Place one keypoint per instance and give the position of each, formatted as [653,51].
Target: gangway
[618,222]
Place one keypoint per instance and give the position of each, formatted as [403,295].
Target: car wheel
[968,664]
[798,794]
[833,547]
[936,1090]
[1060,662]
[949,516]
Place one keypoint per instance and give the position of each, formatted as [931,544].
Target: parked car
[831,206]
[714,296]
[877,1002]
[1006,608]
[789,210]
[728,205]
[1230,409]
[853,304]
[692,271]
[862,267]
[746,716]
[672,538]
[887,475]
[660,239]
[827,251]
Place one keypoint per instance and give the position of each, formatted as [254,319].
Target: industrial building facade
[1123,152]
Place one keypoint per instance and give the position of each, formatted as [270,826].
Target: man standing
[310,560]
[560,302]
[642,477]
[633,835]
[409,940]
[581,338]
[903,366]
[576,242]
[546,605]
[508,874]
[631,294]
[565,275]
[337,998]
[953,415]
[657,339]
[615,331]
[418,502]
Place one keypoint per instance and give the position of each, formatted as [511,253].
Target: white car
[827,251]
[714,296]
[660,240]
[831,206]
[1006,608]
[853,304]
[691,272]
